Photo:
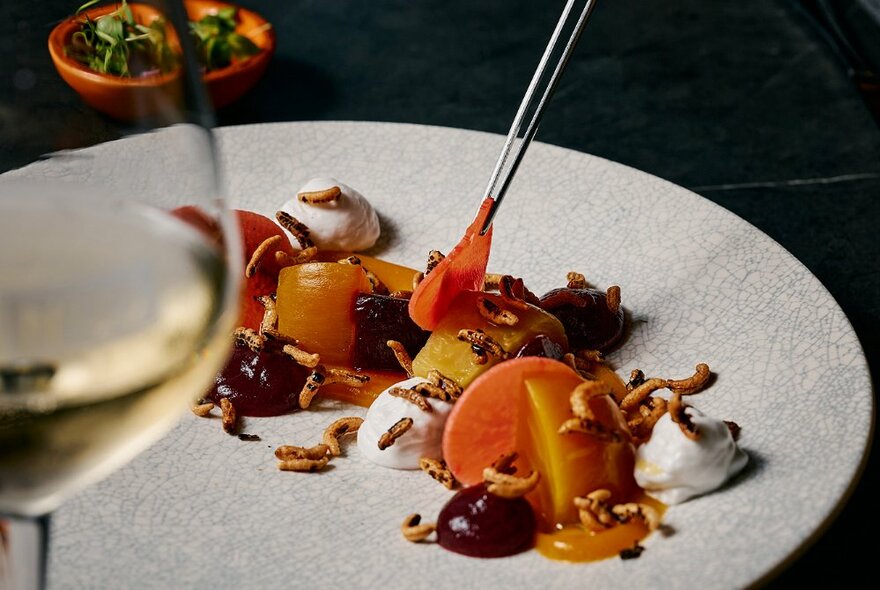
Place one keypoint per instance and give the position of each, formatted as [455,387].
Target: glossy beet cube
[541,346]
[314,303]
[587,317]
[265,383]
[378,319]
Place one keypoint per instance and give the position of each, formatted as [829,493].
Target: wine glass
[117,288]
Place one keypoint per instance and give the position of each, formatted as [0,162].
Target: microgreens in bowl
[118,45]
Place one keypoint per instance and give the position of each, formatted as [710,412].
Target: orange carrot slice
[462,269]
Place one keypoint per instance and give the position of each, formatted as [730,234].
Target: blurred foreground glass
[116,305]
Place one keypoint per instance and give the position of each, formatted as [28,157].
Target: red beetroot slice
[255,229]
[197,218]
[378,319]
[463,269]
[251,311]
[479,524]
[265,383]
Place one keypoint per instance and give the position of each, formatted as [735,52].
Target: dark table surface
[742,102]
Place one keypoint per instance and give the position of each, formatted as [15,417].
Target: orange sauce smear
[363,396]
[573,542]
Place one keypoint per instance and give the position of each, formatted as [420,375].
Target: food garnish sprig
[116,44]
[217,43]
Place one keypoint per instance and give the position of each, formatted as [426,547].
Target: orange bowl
[130,98]
[226,85]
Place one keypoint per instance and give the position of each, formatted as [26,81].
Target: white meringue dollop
[673,468]
[422,440]
[348,223]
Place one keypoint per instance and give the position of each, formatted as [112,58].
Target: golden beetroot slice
[455,358]
[394,276]
[463,269]
[314,304]
[576,463]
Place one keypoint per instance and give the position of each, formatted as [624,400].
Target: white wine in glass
[109,330]
[115,307]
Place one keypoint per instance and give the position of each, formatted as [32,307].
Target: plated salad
[501,396]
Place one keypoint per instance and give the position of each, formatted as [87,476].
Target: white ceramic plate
[204,510]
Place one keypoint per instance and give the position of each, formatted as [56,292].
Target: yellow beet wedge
[314,303]
[393,276]
[455,358]
[572,464]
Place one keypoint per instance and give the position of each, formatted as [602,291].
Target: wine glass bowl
[109,335]
[116,309]
[130,97]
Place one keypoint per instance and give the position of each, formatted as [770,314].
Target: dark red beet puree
[265,383]
[479,524]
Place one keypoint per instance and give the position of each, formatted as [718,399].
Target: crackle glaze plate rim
[200,509]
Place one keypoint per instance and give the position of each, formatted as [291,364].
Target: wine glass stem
[25,551]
